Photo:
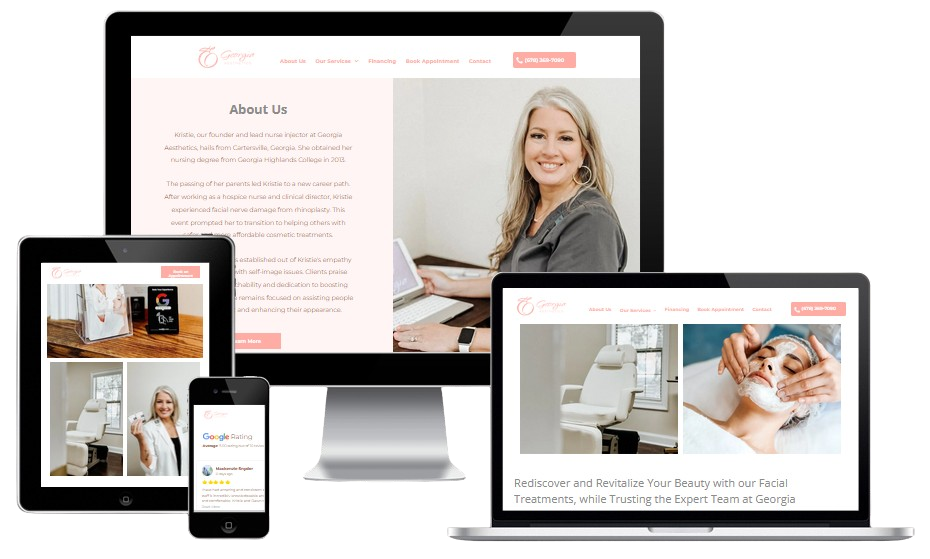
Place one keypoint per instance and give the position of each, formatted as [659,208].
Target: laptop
[412,305]
[610,420]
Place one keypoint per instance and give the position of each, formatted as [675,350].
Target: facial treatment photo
[760,407]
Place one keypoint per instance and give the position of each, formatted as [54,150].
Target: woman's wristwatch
[466,337]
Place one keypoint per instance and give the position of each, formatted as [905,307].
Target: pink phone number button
[818,309]
[543,60]
[264,340]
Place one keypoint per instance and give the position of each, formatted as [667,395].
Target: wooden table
[63,341]
[479,315]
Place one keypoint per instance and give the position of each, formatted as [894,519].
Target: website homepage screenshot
[116,365]
[314,153]
[623,399]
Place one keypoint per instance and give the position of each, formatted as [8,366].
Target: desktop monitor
[313,146]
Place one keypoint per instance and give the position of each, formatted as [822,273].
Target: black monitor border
[372,369]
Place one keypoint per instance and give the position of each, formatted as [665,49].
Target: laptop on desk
[697,460]
[411,303]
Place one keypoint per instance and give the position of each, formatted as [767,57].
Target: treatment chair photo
[608,391]
[82,433]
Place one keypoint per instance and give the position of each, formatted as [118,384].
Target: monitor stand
[384,433]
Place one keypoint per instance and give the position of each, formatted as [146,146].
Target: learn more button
[543,60]
[818,309]
[263,340]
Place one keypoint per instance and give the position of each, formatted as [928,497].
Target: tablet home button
[125,499]
[228,525]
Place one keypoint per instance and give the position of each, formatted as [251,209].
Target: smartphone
[228,484]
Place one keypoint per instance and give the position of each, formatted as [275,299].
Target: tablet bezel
[217,251]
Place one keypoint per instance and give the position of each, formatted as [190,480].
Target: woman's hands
[427,337]
[136,429]
[436,282]
[735,349]
[819,383]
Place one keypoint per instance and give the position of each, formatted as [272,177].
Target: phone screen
[229,458]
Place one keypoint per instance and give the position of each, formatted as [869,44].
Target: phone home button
[125,499]
[228,525]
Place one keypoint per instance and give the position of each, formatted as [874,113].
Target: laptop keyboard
[421,309]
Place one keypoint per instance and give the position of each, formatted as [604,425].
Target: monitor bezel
[387,369]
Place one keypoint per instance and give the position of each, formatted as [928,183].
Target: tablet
[111,332]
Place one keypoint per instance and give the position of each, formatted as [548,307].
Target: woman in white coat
[163,438]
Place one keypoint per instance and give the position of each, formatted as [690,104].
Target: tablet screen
[123,341]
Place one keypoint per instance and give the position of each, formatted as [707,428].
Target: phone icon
[518,59]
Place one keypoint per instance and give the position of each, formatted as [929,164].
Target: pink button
[180,271]
[818,309]
[543,60]
[258,341]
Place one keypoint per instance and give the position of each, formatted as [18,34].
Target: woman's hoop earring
[588,181]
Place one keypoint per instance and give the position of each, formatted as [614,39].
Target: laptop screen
[672,396]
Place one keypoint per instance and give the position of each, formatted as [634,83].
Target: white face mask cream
[763,395]
[758,389]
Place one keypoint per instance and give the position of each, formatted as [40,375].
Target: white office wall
[452,144]
[541,356]
[58,386]
[582,342]
[410,177]
[191,299]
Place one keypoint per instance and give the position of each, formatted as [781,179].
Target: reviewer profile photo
[207,470]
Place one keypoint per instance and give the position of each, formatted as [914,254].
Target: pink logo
[550,306]
[59,272]
[208,58]
[525,306]
[208,414]
[232,57]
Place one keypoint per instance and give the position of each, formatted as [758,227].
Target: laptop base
[538,533]
[384,433]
